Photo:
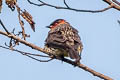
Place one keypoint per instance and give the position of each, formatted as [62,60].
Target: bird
[64,40]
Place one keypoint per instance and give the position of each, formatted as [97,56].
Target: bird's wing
[76,36]
[73,43]
[55,40]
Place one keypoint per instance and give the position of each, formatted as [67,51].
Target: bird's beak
[47,26]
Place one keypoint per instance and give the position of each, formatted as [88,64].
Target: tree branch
[66,4]
[49,53]
[118,3]
[29,54]
[21,23]
[114,5]
[4,26]
[67,7]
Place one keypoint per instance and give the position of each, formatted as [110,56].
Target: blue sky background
[100,34]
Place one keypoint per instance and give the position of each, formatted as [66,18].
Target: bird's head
[55,23]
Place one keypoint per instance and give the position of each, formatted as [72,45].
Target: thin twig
[4,26]
[21,23]
[39,59]
[35,54]
[118,22]
[66,4]
[28,54]
[102,76]
[67,7]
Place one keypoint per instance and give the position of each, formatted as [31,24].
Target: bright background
[100,34]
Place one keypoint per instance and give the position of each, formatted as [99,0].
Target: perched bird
[64,40]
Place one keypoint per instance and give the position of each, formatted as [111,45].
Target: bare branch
[28,54]
[111,3]
[21,23]
[4,26]
[66,4]
[67,7]
[56,57]
[39,59]
[116,2]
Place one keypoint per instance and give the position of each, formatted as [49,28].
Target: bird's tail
[74,55]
